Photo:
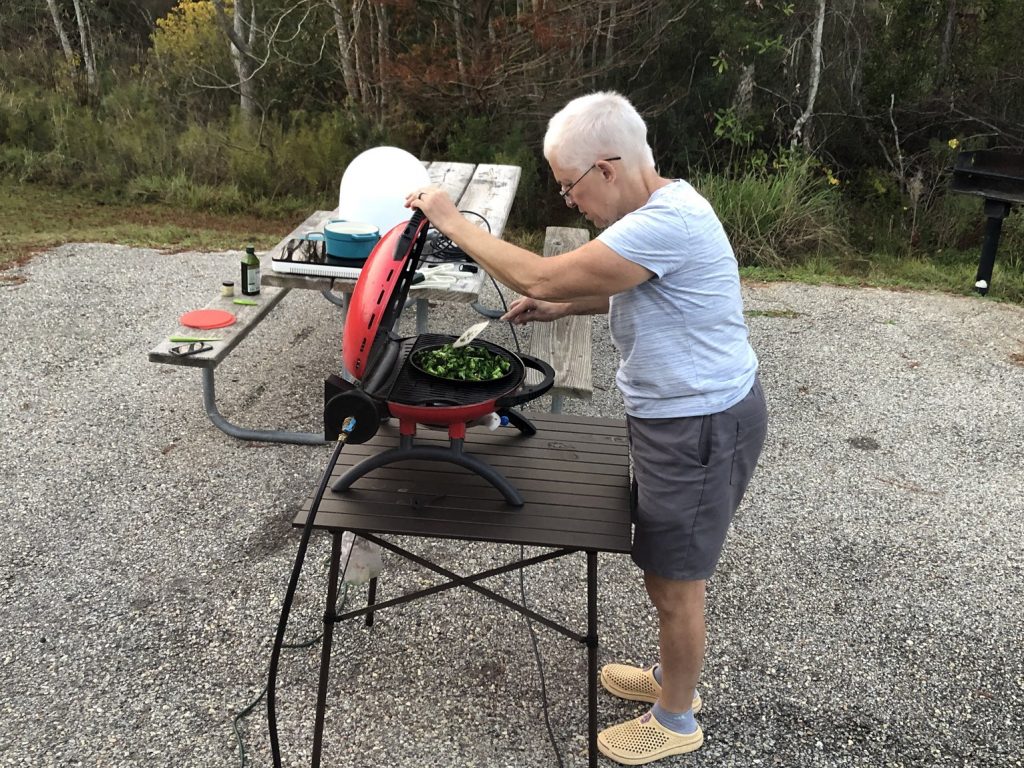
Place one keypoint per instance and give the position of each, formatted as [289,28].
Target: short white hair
[595,127]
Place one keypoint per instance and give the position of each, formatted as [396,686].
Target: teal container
[349,243]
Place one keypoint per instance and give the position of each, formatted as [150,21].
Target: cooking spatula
[470,333]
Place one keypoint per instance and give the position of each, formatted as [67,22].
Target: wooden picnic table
[484,189]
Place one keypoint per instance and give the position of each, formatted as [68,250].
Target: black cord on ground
[293,583]
[540,664]
[244,713]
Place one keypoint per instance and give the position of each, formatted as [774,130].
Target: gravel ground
[866,611]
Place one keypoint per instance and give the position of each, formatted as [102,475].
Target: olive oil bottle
[250,272]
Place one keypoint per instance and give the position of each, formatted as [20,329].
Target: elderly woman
[663,270]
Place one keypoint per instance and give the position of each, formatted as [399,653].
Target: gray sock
[680,722]
[657,676]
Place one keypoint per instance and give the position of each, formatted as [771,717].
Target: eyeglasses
[564,194]
[192,348]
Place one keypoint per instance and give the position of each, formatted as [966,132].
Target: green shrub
[25,119]
[80,145]
[954,221]
[146,189]
[775,217]
[141,139]
[182,192]
[1011,242]
[479,139]
[315,151]
[202,153]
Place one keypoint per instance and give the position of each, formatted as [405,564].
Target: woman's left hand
[436,206]
[526,310]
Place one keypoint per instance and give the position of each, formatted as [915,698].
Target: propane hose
[348,425]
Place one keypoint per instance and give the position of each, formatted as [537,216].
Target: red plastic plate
[207,319]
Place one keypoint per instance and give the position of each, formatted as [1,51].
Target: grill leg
[520,422]
[431,453]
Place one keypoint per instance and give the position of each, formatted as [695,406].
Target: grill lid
[380,294]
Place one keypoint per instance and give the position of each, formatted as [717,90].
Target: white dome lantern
[375,185]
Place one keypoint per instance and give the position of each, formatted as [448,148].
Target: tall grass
[131,146]
[779,216]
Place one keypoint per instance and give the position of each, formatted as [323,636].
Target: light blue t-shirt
[681,336]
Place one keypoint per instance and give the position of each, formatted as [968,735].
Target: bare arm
[593,270]
[589,305]
[526,310]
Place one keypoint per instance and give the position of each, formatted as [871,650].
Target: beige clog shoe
[636,684]
[645,740]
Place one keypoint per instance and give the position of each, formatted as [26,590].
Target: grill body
[998,177]
[388,384]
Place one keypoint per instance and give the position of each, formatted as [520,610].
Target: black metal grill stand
[998,177]
[573,477]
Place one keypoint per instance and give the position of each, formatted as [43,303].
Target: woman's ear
[607,169]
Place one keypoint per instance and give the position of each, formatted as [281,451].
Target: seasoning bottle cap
[228,283]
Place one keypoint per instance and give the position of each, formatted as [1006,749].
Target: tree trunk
[241,53]
[365,95]
[743,100]
[609,47]
[87,53]
[243,64]
[58,25]
[345,46]
[946,52]
[383,53]
[460,44]
[802,128]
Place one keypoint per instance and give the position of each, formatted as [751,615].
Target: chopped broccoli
[469,363]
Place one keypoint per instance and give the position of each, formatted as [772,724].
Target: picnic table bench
[565,343]
[485,189]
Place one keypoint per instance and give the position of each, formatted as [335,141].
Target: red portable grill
[387,383]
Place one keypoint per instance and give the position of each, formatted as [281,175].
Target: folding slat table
[574,479]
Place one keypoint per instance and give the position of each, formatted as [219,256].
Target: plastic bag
[360,558]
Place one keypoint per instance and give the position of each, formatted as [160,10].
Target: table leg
[494,314]
[262,435]
[330,612]
[341,301]
[422,308]
[371,600]
[592,657]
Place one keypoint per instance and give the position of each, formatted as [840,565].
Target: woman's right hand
[525,310]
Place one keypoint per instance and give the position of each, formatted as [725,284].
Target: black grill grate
[413,387]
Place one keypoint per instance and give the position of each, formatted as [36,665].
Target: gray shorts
[689,475]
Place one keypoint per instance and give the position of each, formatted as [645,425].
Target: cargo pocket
[733,479]
[704,441]
[634,500]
